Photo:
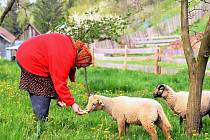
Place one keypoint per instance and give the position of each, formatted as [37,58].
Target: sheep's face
[161,91]
[94,103]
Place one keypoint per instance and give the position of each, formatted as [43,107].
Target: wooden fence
[106,58]
[137,42]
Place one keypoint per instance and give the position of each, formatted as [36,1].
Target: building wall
[3,45]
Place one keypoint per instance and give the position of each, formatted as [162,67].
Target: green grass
[17,123]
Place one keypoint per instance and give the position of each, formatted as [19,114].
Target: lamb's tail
[162,118]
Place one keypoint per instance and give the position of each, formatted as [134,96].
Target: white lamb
[131,110]
[177,101]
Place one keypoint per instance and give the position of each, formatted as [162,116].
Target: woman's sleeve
[59,71]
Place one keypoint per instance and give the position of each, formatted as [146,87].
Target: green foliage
[94,27]
[47,14]
[200,25]
[197,27]
[10,23]
[67,5]
[24,14]
[16,119]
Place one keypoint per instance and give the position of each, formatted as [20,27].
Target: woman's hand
[76,108]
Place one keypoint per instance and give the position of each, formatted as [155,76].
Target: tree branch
[188,51]
[205,1]
[204,50]
[6,11]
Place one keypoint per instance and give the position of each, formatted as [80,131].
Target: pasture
[17,122]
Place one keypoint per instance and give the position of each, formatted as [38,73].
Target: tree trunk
[196,70]
[194,103]
[6,11]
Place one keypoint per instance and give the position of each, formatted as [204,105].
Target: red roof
[9,37]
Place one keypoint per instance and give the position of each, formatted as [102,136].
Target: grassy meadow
[17,122]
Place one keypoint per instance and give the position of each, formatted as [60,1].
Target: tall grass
[17,122]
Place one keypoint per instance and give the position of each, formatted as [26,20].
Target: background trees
[10,21]
[47,14]
[6,10]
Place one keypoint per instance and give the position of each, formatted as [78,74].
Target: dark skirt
[37,85]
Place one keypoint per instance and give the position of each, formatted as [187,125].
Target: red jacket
[50,55]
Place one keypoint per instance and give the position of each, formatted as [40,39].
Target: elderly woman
[46,62]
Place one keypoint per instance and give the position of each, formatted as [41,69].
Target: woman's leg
[40,105]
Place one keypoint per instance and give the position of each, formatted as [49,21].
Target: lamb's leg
[121,126]
[180,123]
[165,130]
[201,124]
[126,128]
[150,128]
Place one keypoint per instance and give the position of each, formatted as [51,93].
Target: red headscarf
[84,56]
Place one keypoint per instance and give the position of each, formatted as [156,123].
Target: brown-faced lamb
[132,110]
[177,101]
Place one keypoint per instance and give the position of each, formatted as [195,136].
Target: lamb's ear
[161,87]
[101,103]
[91,94]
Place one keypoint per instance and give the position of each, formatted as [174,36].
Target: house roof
[34,28]
[9,37]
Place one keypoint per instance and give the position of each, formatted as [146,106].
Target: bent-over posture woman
[46,62]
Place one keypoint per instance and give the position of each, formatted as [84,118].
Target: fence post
[125,56]
[157,59]
[93,54]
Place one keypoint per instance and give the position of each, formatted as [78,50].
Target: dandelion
[195,134]
[193,131]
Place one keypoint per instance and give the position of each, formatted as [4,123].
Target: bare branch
[198,41]
[6,11]
[195,9]
[205,1]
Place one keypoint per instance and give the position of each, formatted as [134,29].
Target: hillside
[145,14]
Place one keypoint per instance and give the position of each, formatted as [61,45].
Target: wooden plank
[173,52]
[151,45]
[142,50]
[109,51]
[142,58]
[177,60]
[152,41]
[122,51]
[157,37]
[173,60]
